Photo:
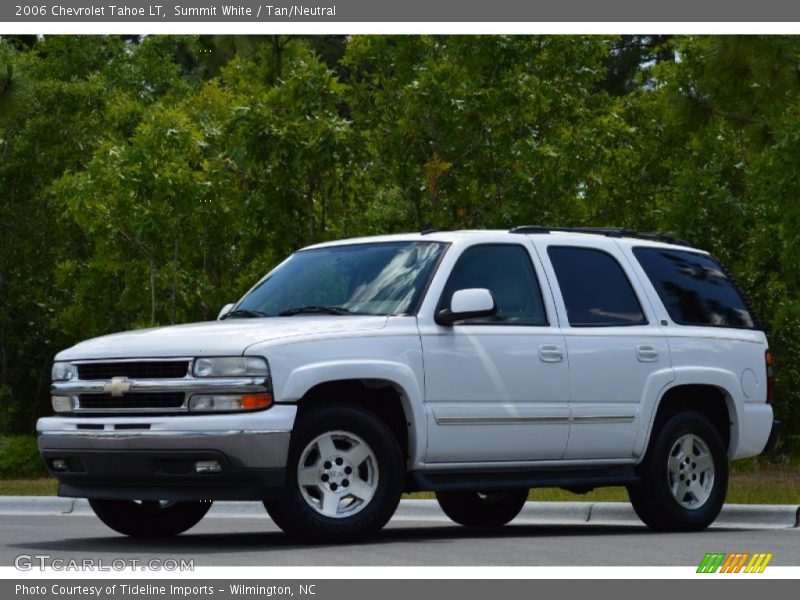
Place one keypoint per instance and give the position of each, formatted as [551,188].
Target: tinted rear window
[694,288]
[596,291]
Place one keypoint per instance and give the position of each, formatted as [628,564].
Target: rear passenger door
[617,351]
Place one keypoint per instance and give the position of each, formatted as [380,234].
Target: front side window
[507,272]
[596,291]
[694,288]
[373,279]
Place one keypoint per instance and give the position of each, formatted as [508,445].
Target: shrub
[19,457]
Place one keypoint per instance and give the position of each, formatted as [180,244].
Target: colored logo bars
[744,562]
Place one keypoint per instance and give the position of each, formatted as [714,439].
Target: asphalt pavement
[556,534]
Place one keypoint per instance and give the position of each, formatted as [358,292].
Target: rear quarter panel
[732,360]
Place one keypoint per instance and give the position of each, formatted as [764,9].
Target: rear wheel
[482,509]
[684,477]
[344,476]
[149,518]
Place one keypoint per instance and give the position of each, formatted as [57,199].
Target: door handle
[646,353]
[550,353]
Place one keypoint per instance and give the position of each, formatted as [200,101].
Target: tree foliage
[147,181]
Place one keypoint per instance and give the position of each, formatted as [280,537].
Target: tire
[482,509]
[684,476]
[149,518]
[351,469]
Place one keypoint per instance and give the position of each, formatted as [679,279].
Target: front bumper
[154,458]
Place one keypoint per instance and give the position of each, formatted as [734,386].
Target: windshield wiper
[244,313]
[325,310]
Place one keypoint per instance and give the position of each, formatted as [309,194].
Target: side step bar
[577,479]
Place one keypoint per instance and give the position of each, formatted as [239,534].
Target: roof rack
[618,232]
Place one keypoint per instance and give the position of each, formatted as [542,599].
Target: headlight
[62,371]
[231,366]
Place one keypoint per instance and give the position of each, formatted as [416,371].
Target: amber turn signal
[256,401]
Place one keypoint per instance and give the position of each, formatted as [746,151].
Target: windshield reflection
[375,279]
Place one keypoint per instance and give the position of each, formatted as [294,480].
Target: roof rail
[525,229]
[618,232]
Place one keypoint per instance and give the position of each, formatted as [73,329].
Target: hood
[216,338]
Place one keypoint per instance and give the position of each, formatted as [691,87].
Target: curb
[778,516]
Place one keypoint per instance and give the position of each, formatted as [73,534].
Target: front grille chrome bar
[230,385]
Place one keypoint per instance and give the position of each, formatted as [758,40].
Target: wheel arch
[712,396]
[390,390]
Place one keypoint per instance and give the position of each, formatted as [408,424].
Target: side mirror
[225,310]
[472,303]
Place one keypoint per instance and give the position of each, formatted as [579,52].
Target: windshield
[374,279]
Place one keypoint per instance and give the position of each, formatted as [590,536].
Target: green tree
[488,131]
[149,180]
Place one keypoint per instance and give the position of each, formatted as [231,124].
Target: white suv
[475,364]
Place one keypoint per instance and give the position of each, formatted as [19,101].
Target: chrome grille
[139,386]
[167,369]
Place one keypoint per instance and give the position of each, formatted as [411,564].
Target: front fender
[401,376]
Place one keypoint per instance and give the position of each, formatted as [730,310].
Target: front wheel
[344,476]
[684,477]
[482,509]
[149,518]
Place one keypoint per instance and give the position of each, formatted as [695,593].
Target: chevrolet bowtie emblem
[117,386]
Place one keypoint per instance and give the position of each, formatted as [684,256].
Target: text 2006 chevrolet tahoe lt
[476,364]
